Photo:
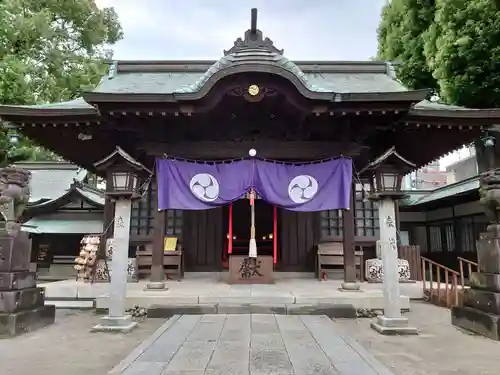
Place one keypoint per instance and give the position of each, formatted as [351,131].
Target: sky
[202,29]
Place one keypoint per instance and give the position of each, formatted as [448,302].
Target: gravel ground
[68,347]
[440,349]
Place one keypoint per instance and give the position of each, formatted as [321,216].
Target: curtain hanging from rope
[315,186]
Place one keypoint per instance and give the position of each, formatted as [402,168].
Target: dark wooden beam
[293,150]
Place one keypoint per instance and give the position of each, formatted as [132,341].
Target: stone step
[476,321]
[71,303]
[331,310]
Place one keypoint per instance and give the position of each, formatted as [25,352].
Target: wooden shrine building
[63,207]
[252,97]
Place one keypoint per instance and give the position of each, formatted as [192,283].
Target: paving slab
[208,292]
[250,344]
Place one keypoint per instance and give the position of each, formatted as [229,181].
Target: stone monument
[480,312]
[22,307]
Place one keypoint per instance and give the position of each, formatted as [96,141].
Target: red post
[230,239]
[275,235]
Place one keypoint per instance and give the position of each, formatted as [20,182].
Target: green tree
[463,51]
[451,46]
[401,40]
[49,51]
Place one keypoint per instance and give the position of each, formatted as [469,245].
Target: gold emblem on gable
[253,90]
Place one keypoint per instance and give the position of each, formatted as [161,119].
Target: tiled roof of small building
[50,180]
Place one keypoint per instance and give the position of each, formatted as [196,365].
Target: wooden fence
[411,253]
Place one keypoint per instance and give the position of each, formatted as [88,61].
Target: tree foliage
[401,40]
[49,51]
[452,46]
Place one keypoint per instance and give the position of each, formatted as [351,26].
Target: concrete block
[479,322]
[26,321]
[485,281]
[16,300]
[330,310]
[166,311]
[483,300]
[17,280]
[253,300]
[251,308]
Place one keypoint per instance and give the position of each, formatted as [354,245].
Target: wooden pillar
[348,240]
[157,273]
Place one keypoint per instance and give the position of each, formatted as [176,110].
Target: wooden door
[203,240]
[298,235]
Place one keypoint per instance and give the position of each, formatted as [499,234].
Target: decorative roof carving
[255,50]
[253,40]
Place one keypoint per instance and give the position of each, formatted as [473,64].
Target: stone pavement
[208,291]
[249,345]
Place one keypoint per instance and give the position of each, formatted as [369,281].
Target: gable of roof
[51,180]
[169,77]
[77,190]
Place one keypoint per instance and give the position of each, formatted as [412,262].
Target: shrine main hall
[252,99]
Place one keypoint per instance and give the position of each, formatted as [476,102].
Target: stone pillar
[480,312]
[157,281]
[117,320]
[391,322]
[350,279]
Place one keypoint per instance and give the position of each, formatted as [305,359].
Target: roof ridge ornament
[253,39]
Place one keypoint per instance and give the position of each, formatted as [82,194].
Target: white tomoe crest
[302,189]
[205,187]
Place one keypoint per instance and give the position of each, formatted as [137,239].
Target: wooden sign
[169,244]
[245,270]
[43,253]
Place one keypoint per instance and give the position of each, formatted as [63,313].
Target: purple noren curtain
[297,187]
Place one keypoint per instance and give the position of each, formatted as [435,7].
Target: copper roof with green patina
[458,188]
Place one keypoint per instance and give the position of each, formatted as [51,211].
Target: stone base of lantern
[350,287]
[122,324]
[393,326]
[156,286]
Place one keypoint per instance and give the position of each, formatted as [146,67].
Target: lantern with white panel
[124,175]
[386,174]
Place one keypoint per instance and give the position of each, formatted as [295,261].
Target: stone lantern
[22,303]
[386,174]
[123,181]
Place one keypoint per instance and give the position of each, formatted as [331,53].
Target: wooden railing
[447,292]
[471,267]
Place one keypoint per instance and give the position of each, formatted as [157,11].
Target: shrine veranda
[252,98]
